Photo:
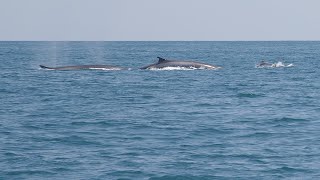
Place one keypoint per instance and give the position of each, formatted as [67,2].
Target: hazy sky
[111,20]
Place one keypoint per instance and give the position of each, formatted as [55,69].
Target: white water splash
[281,64]
[183,68]
[173,69]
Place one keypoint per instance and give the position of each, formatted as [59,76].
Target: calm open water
[239,122]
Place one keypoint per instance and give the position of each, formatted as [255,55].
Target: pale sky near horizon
[144,20]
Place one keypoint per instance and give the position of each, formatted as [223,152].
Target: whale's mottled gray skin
[164,63]
[84,67]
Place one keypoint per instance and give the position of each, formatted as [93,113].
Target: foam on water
[183,68]
[174,69]
[281,64]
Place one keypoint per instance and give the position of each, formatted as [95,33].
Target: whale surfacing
[279,64]
[83,67]
[167,64]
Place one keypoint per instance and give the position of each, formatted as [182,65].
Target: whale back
[83,67]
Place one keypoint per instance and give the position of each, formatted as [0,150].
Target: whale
[264,64]
[83,67]
[279,64]
[167,64]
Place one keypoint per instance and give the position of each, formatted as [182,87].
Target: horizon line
[159,40]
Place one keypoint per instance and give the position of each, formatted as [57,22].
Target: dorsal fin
[161,59]
[44,67]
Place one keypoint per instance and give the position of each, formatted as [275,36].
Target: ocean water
[238,122]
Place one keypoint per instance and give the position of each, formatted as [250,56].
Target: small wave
[203,105]
[97,123]
[61,169]
[257,135]
[183,177]
[31,127]
[290,120]
[11,154]
[248,95]
[75,140]
[126,173]
[29,172]
[287,169]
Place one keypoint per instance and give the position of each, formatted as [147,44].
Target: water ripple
[239,122]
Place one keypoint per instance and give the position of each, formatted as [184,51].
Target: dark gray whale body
[84,67]
[264,64]
[164,63]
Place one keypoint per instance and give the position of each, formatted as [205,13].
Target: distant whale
[264,64]
[84,67]
[164,63]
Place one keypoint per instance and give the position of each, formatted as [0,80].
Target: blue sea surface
[238,122]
